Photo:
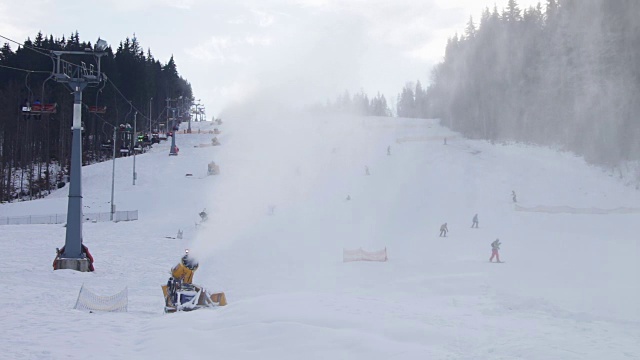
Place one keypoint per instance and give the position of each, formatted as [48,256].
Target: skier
[475,221]
[445,141]
[513,196]
[495,247]
[389,150]
[443,230]
[348,197]
[179,236]
[203,215]
[366,170]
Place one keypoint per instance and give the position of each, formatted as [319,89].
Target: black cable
[39,50]
[25,70]
[125,99]
[43,52]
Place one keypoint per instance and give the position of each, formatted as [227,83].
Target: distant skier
[179,235]
[366,170]
[475,221]
[445,141]
[389,150]
[203,215]
[495,248]
[348,197]
[443,230]
[513,196]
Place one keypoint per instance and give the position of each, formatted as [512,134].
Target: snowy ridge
[279,221]
[573,210]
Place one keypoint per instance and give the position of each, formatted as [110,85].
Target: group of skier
[495,245]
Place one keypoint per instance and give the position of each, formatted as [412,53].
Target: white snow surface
[569,287]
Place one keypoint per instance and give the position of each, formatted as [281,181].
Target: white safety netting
[572,210]
[89,301]
[363,255]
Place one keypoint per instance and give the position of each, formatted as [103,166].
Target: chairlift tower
[173,151]
[77,78]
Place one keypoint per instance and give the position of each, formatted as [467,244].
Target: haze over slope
[569,288]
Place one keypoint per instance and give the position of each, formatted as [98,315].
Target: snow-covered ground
[569,289]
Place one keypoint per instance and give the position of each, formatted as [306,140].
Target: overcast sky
[228,50]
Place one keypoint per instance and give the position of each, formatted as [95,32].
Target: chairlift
[125,127]
[44,108]
[39,109]
[98,109]
[106,145]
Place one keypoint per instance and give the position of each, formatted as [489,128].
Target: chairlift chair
[38,109]
[44,108]
[98,109]
[106,145]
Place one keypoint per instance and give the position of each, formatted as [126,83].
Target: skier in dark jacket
[475,221]
[203,215]
[444,230]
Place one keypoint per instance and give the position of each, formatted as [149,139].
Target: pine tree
[512,12]
[470,30]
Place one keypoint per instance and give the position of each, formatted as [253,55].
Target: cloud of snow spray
[269,160]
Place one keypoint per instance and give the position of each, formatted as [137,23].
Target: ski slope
[279,220]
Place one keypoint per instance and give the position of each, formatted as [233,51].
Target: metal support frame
[77,78]
[135,143]
[150,132]
[113,172]
[173,151]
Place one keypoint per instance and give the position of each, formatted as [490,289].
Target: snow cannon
[185,269]
[181,294]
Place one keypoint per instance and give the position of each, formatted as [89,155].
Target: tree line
[35,149]
[564,75]
[358,103]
